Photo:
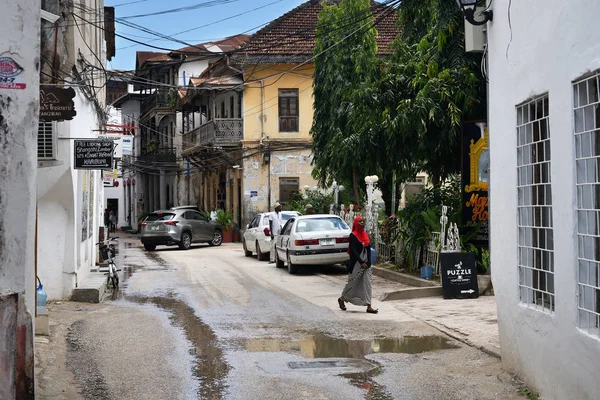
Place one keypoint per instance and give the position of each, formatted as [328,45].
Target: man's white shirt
[277,222]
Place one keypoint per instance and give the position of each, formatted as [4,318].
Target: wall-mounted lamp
[469,7]
[236,167]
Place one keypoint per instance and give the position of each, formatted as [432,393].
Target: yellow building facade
[277,145]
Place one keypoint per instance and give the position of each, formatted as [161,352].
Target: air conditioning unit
[47,141]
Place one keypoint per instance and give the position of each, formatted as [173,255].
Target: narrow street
[209,323]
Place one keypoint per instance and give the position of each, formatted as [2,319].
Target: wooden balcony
[220,132]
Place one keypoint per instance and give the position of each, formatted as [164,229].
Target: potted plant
[225,218]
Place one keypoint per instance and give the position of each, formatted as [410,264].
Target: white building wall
[65,257]
[546,46]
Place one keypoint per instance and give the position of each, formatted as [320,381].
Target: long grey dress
[358,290]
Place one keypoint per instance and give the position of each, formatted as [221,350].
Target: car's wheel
[247,253]
[217,238]
[186,241]
[278,262]
[259,254]
[149,247]
[292,269]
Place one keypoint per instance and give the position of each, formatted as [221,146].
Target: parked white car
[257,237]
[318,239]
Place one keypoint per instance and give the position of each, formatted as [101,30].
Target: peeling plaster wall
[293,164]
[19,30]
[549,45]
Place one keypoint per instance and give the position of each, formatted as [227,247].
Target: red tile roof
[294,32]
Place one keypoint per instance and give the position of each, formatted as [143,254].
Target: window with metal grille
[586,98]
[46,140]
[534,208]
[288,110]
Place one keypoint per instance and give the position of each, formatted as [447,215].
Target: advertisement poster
[475,181]
[91,204]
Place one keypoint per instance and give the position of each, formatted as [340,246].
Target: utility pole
[19,109]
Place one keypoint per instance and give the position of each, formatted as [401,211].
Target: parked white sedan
[257,237]
[312,240]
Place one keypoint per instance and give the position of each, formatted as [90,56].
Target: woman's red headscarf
[360,232]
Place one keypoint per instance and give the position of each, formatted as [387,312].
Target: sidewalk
[471,321]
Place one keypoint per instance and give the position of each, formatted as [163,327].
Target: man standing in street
[275,225]
[309,209]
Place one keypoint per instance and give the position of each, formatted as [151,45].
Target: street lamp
[336,189]
[469,7]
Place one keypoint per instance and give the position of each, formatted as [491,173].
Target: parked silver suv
[180,226]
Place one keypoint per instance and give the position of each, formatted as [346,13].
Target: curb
[412,293]
[405,279]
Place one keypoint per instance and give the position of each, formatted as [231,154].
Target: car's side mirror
[247,226]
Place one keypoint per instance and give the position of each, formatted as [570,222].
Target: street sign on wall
[93,154]
[459,275]
[56,103]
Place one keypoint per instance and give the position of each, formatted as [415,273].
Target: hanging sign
[56,103]
[118,140]
[107,178]
[475,181]
[93,154]
[459,275]
[127,145]
[9,74]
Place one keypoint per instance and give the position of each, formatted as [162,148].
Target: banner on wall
[475,179]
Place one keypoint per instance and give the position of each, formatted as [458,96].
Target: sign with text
[474,182]
[108,178]
[56,103]
[93,154]
[459,276]
[9,74]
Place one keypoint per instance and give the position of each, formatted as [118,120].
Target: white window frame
[53,141]
[535,233]
[586,130]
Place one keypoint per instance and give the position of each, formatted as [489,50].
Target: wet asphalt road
[209,323]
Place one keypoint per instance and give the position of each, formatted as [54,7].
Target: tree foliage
[345,61]
[395,115]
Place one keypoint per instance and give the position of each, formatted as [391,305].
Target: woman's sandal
[341,303]
[372,311]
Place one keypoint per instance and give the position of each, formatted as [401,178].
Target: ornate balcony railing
[159,99]
[217,131]
[159,155]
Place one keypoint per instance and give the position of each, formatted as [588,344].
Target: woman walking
[358,289]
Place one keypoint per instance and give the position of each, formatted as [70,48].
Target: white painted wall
[550,43]
[191,69]
[64,259]
[19,30]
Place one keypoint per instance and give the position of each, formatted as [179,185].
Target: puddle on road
[324,346]
[211,369]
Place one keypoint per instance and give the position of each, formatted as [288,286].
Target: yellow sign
[479,164]
[115,173]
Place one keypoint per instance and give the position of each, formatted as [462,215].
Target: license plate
[327,242]
[155,228]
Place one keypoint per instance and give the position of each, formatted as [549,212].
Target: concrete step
[91,290]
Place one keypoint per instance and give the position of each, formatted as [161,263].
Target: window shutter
[46,140]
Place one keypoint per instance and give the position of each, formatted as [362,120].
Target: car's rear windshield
[285,216]
[321,225]
[159,217]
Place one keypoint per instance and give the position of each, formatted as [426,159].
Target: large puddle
[323,346]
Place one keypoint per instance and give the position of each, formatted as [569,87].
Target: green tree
[345,63]
[429,87]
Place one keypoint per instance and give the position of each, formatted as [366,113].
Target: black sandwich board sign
[93,154]
[459,276]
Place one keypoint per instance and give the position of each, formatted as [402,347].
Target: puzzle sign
[459,276]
